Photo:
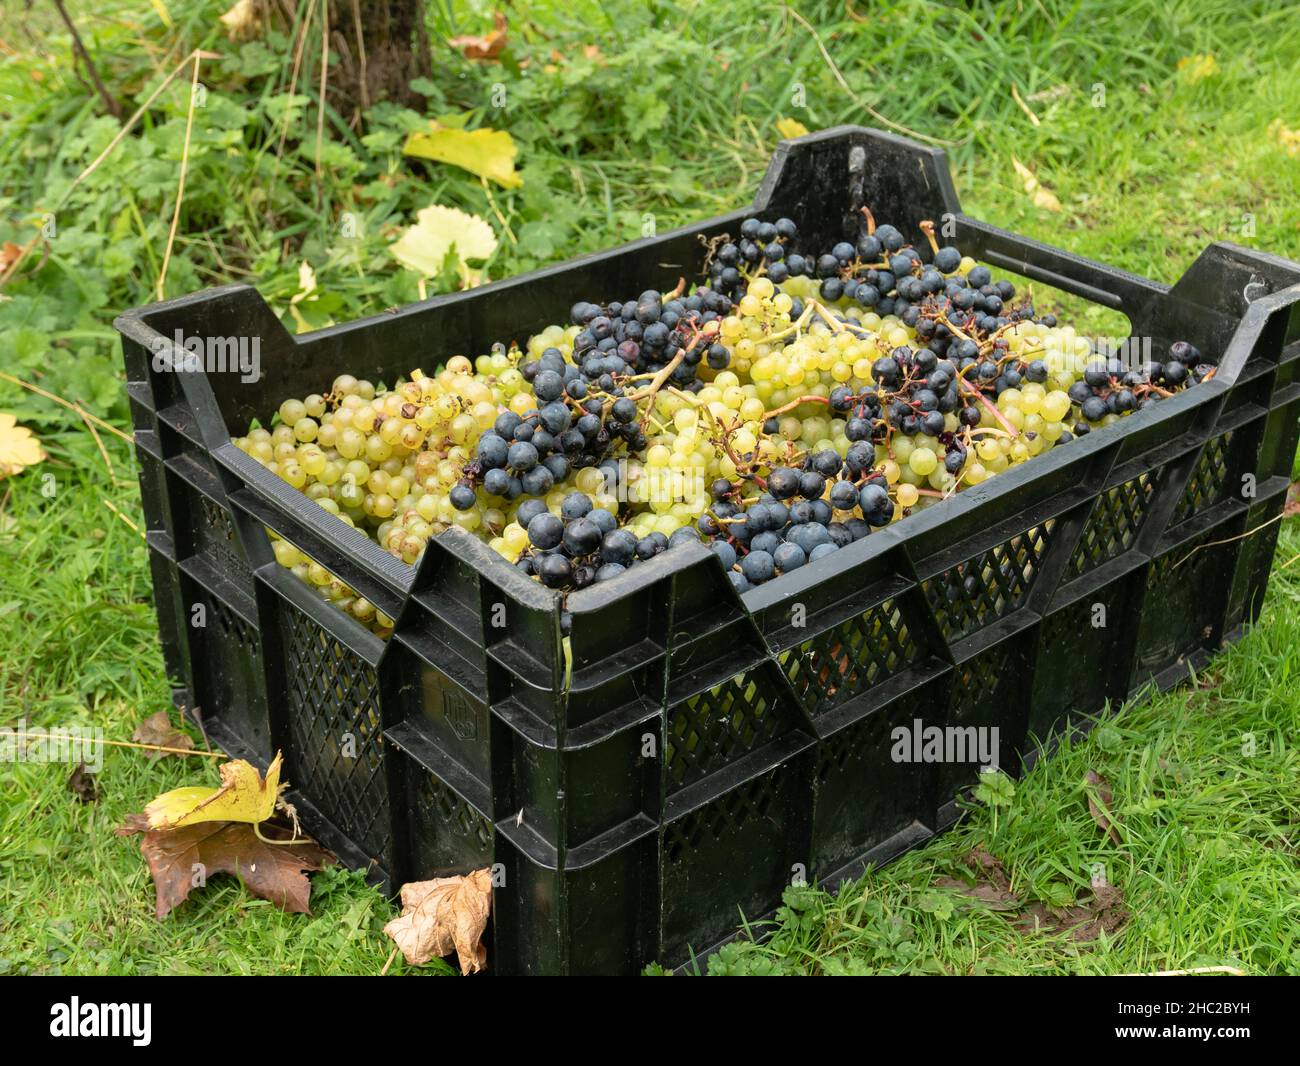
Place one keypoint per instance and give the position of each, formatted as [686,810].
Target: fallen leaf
[998,899]
[486,152]
[182,859]
[1198,67]
[83,785]
[243,22]
[244,796]
[790,127]
[424,246]
[1292,505]
[1288,138]
[158,730]
[10,253]
[992,887]
[1043,196]
[1103,913]
[488,46]
[1100,807]
[445,915]
[308,293]
[18,448]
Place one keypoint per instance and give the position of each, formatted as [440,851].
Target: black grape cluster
[644,335]
[1108,387]
[583,543]
[584,409]
[762,244]
[793,521]
[571,429]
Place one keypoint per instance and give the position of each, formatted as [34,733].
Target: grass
[674,117]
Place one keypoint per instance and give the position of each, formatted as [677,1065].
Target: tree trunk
[378,46]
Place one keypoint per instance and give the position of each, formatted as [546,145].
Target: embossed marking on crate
[460,714]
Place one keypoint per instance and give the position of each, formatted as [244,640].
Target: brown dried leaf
[1292,505]
[1103,913]
[998,899]
[488,46]
[83,785]
[10,253]
[158,730]
[135,823]
[179,857]
[445,915]
[992,886]
[1101,806]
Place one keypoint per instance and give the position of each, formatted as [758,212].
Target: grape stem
[927,227]
[836,326]
[793,404]
[871,220]
[794,327]
[990,407]
[658,381]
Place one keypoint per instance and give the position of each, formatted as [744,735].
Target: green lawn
[674,116]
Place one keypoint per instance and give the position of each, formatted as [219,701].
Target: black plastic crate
[702,750]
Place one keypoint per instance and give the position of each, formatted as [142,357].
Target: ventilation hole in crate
[1113,526]
[726,815]
[232,627]
[217,532]
[1208,482]
[835,754]
[1184,559]
[718,726]
[455,814]
[335,728]
[977,682]
[978,592]
[844,661]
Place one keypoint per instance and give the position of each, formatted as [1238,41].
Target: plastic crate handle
[1096,282]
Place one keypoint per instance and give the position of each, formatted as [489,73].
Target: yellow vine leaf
[486,152]
[1288,138]
[789,128]
[243,796]
[424,246]
[19,449]
[1043,196]
[243,21]
[1198,67]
